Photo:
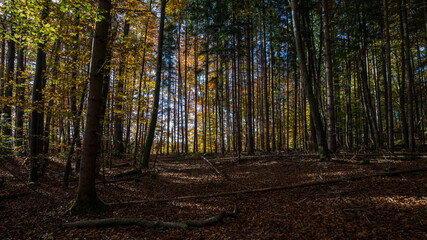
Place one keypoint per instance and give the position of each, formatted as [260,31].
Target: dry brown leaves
[375,208]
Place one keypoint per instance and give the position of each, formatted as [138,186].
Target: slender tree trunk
[196,56]
[330,92]
[141,77]
[390,134]
[205,111]
[185,94]
[250,137]
[87,200]
[8,91]
[153,122]
[20,98]
[2,64]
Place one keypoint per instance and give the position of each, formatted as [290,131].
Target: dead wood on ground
[114,222]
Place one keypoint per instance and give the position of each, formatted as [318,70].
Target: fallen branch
[213,167]
[224,175]
[270,189]
[113,222]
[12,196]
[120,180]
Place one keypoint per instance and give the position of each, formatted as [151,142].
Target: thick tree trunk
[308,85]
[153,122]
[87,200]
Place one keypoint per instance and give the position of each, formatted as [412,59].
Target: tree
[308,84]
[36,122]
[87,200]
[153,121]
[7,129]
[330,93]
[250,141]
[390,135]
[410,77]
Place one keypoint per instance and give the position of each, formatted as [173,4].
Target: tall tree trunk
[87,201]
[390,134]
[141,77]
[330,92]
[36,122]
[308,85]
[2,62]
[410,76]
[250,137]
[20,97]
[8,90]
[153,122]
[185,93]
[196,60]
[205,111]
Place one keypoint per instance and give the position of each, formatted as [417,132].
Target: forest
[213,119]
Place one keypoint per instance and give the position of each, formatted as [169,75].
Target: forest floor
[382,207]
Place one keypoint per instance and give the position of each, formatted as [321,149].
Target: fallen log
[277,188]
[114,222]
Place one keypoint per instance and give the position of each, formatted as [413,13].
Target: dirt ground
[386,207]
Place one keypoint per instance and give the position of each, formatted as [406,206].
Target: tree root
[113,222]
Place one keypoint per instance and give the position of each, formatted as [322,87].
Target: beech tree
[87,200]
